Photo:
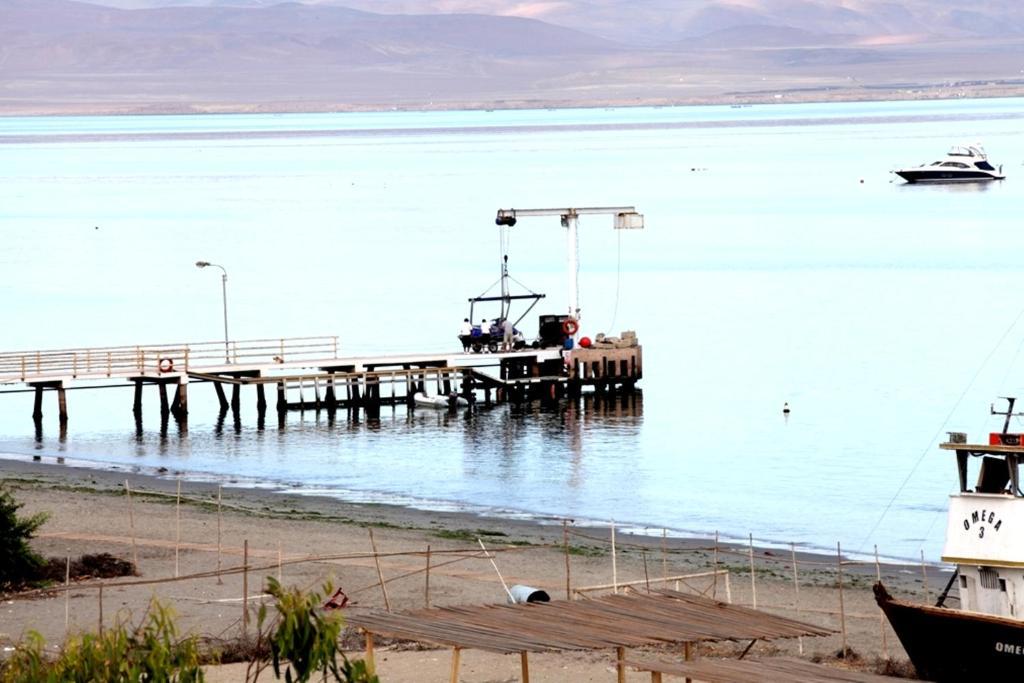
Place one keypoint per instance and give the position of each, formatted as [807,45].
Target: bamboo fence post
[426,588]
[245,587]
[220,581]
[615,567]
[524,662]
[881,614]
[620,664]
[664,558]
[380,574]
[177,528]
[714,589]
[924,577]
[371,666]
[67,595]
[728,588]
[568,570]
[131,525]
[796,594]
[842,606]
[456,654]
[100,601]
[647,579]
[753,575]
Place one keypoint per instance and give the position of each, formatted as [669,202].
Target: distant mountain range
[213,55]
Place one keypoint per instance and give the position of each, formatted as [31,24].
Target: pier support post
[37,411]
[220,396]
[282,401]
[330,398]
[137,404]
[62,404]
[261,400]
[182,399]
[236,404]
[164,406]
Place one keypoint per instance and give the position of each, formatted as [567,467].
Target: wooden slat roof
[755,671]
[663,616]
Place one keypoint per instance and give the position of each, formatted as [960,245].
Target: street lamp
[224,288]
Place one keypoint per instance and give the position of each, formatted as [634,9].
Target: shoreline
[270,500]
[823,95]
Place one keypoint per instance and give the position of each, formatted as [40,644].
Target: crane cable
[942,426]
[618,280]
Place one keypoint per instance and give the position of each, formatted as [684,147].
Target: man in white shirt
[465,334]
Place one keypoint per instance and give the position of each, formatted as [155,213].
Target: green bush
[19,566]
[303,639]
[150,652]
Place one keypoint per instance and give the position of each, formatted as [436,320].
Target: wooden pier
[309,373]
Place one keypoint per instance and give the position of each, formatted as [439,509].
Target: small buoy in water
[861,181]
[785,408]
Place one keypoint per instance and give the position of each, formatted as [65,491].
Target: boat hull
[912,175]
[953,645]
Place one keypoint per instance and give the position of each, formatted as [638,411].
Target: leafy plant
[19,565]
[303,639]
[150,652]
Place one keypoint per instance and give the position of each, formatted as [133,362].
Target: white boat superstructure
[962,163]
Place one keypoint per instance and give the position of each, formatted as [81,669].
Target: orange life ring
[570,326]
[166,365]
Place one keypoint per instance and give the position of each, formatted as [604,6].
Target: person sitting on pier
[466,334]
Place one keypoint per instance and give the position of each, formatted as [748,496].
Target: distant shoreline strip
[48,138]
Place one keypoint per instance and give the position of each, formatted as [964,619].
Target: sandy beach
[308,540]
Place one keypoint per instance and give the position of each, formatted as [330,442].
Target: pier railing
[159,359]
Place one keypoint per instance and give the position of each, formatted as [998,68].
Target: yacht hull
[953,645]
[931,176]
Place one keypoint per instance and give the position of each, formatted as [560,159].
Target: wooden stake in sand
[100,601]
[426,588]
[647,579]
[842,608]
[524,663]
[245,587]
[924,577]
[219,580]
[565,546]
[456,655]
[881,614]
[615,566]
[279,562]
[67,595]
[177,528]
[131,525]
[380,574]
[371,666]
[714,588]
[796,594]
[664,557]
[620,664]
[753,574]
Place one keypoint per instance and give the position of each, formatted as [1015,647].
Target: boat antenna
[1010,400]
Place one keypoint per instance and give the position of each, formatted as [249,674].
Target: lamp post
[224,290]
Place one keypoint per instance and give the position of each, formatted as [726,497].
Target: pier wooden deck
[311,370]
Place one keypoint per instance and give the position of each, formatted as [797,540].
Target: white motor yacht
[963,163]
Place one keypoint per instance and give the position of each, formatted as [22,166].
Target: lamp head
[202,264]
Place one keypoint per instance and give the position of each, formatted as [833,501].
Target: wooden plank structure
[751,671]
[613,621]
[313,368]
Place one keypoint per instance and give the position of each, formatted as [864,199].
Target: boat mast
[1009,411]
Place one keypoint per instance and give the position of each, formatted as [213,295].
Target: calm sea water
[781,262]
